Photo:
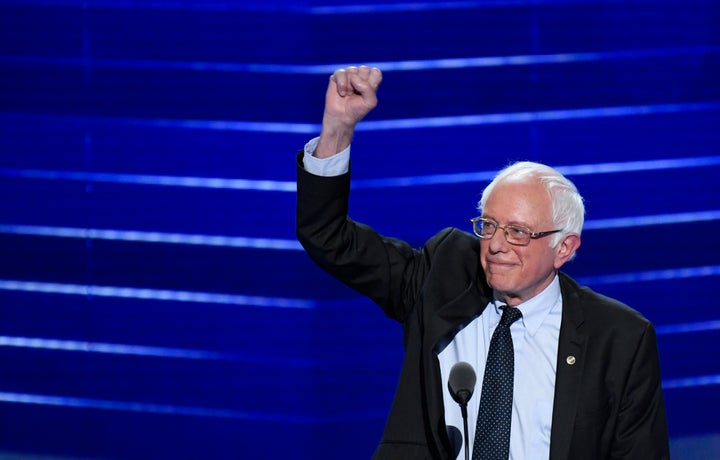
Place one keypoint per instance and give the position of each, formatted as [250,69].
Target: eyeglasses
[514,234]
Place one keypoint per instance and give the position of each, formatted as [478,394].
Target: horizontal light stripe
[112,348]
[300,7]
[294,245]
[383,182]
[205,355]
[538,116]
[169,409]
[651,275]
[154,294]
[409,6]
[281,302]
[639,165]
[571,170]
[659,219]
[381,125]
[148,351]
[385,66]
[152,237]
[683,328]
[691,382]
[146,179]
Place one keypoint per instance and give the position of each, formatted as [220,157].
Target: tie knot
[510,315]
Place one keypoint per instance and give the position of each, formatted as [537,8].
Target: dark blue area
[199,328]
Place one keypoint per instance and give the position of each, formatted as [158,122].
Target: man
[585,378]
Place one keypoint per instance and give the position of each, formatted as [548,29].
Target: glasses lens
[485,228]
[517,235]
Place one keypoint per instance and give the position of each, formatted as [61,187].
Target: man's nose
[498,242]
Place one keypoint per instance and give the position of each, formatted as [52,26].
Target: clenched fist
[351,94]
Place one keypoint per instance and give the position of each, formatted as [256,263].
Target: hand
[351,94]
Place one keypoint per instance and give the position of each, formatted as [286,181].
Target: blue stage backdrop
[154,302]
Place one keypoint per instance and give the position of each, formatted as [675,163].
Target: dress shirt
[535,343]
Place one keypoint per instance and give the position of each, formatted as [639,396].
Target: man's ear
[566,248]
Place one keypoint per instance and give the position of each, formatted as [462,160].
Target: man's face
[518,273]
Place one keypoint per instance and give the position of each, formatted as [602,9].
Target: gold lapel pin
[570,360]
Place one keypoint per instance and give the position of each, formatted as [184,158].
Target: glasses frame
[531,234]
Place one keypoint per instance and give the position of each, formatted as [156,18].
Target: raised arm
[351,94]
[355,254]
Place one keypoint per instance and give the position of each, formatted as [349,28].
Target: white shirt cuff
[335,165]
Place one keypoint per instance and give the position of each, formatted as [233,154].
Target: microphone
[461,384]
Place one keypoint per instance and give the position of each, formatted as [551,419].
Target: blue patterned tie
[492,432]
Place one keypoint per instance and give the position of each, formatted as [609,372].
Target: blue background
[154,302]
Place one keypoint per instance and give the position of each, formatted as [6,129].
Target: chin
[498,282]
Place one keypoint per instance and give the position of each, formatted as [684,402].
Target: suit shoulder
[454,238]
[604,310]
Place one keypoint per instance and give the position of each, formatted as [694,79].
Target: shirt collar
[535,310]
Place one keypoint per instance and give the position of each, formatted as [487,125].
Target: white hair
[568,208]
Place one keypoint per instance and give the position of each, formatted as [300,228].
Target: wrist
[334,138]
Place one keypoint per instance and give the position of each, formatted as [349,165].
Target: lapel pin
[570,360]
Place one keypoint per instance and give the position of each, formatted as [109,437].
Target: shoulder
[599,311]
[453,239]
[453,247]
[452,257]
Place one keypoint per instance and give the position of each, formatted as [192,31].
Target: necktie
[492,432]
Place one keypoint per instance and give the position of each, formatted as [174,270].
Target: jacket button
[570,360]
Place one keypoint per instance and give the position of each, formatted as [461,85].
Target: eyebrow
[512,222]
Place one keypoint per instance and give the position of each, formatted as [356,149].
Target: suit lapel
[570,366]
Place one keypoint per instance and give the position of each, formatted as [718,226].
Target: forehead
[526,202]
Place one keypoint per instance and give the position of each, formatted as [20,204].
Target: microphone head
[461,382]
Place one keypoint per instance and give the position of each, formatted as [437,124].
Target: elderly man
[564,372]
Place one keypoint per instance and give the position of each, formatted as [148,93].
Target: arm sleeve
[642,426]
[378,267]
[335,165]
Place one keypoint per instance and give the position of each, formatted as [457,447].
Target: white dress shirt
[535,342]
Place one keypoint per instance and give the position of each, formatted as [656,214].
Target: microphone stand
[463,409]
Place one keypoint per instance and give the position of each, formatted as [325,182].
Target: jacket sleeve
[641,430]
[378,267]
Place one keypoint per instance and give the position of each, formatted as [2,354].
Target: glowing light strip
[651,275]
[660,219]
[691,382]
[146,179]
[152,237]
[384,182]
[639,165]
[385,66]
[281,302]
[170,409]
[361,8]
[683,328]
[112,348]
[294,245]
[154,294]
[370,8]
[573,170]
[395,124]
[528,117]
[205,355]
[146,351]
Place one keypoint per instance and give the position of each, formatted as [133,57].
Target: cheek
[540,262]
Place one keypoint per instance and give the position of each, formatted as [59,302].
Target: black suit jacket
[608,400]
